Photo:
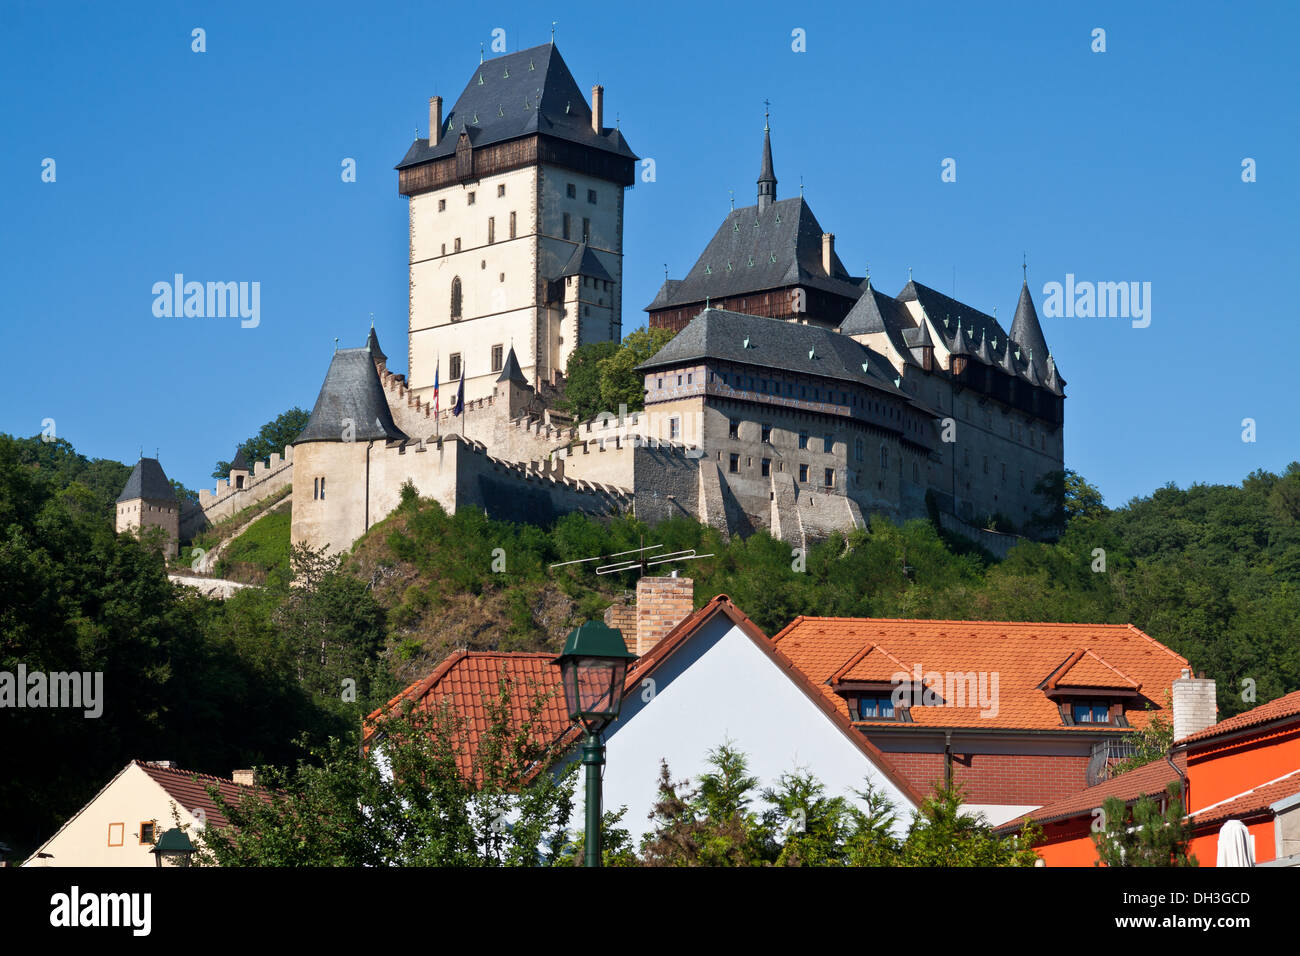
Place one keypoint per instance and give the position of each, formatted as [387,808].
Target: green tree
[620,383]
[582,379]
[1146,835]
[271,437]
[943,834]
[424,794]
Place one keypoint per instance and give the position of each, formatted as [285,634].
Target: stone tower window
[512,225]
[501,190]
[492,229]
[496,358]
[456,303]
[454,366]
[571,190]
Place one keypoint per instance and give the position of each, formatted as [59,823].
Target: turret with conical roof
[1027,333]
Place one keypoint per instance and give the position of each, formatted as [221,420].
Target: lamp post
[174,847]
[593,668]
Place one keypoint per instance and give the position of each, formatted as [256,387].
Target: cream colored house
[120,825]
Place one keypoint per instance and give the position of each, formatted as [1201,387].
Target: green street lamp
[593,668]
[174,847]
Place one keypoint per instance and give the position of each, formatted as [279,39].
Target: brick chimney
[828,252]
[597,108]
[435,120]
[1194,706]
[621,616]
[661,604]
[245,778]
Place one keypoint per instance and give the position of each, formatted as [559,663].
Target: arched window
[455,299]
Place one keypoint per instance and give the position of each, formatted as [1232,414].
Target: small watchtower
[148,501]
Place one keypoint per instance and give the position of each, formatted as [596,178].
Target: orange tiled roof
[1086,669]
[1151,780]
[871,664]
[468,682]
[1253,801]
[190,790]
[1283,707]
[1023,655]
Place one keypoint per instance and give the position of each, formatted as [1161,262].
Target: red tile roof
[1279,709]
[1149,780]
[468,681]
[1252,802]
[190,791]
[1024,656]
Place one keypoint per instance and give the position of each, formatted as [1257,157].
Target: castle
[794,397]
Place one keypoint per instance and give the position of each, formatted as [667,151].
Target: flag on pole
[435,390]
[458,403]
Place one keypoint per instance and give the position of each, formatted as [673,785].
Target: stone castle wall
[267,478]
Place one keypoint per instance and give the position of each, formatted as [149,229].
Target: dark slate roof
[510,370]
[753,251]
[1053,381]
[583,262]
[519,94]
[777,344]
[241,460]
[876,312]
[666,293]
[147,481]
[372,343]
[351,391]
[1026,332]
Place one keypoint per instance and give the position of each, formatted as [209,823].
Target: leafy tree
[942,834]
[582,379]
[1150,743]
[620,383]
[423,795]
[271,437]
[815,826]
[1147,835]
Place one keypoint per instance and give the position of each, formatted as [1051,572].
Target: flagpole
[437,406]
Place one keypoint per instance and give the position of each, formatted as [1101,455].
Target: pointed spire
[1026,332]
[766,176]
[372,343]
[510,370]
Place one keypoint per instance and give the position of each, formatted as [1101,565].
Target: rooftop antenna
[643,563]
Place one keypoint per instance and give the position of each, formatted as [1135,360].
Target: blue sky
[1117,166]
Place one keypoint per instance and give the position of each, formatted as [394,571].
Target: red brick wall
[998,778]
[622,617]
[661,604]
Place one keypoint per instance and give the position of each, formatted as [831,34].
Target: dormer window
[873,707]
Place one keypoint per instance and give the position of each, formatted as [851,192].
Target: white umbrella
[1235,845]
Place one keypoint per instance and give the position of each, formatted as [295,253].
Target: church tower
[516,226]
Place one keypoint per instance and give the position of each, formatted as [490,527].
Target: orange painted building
[1245,768]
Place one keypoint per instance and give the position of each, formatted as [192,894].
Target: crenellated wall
[266,479]
[341,489]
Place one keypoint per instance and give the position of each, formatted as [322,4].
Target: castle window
[512,225]
[591,196]
[315,488]
[444,248]
[735,464]
[567,225]
[766,467]
[454,366]
[828,444]
[586,229]
[661,384]
[456,300]
[492,229]
[239,482]
[496,358]
[471,198]
[501,190]
[767,434]
[803,439]
[857,449]
[571,190]
[689,377]
[674,429]
[830,477]
[803,473]
[734,429]
[457,244]
[442,205]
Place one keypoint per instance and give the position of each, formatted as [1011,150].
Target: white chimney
[828,252]
[245,778]
[598,109]
[435,120]
[1194,705]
